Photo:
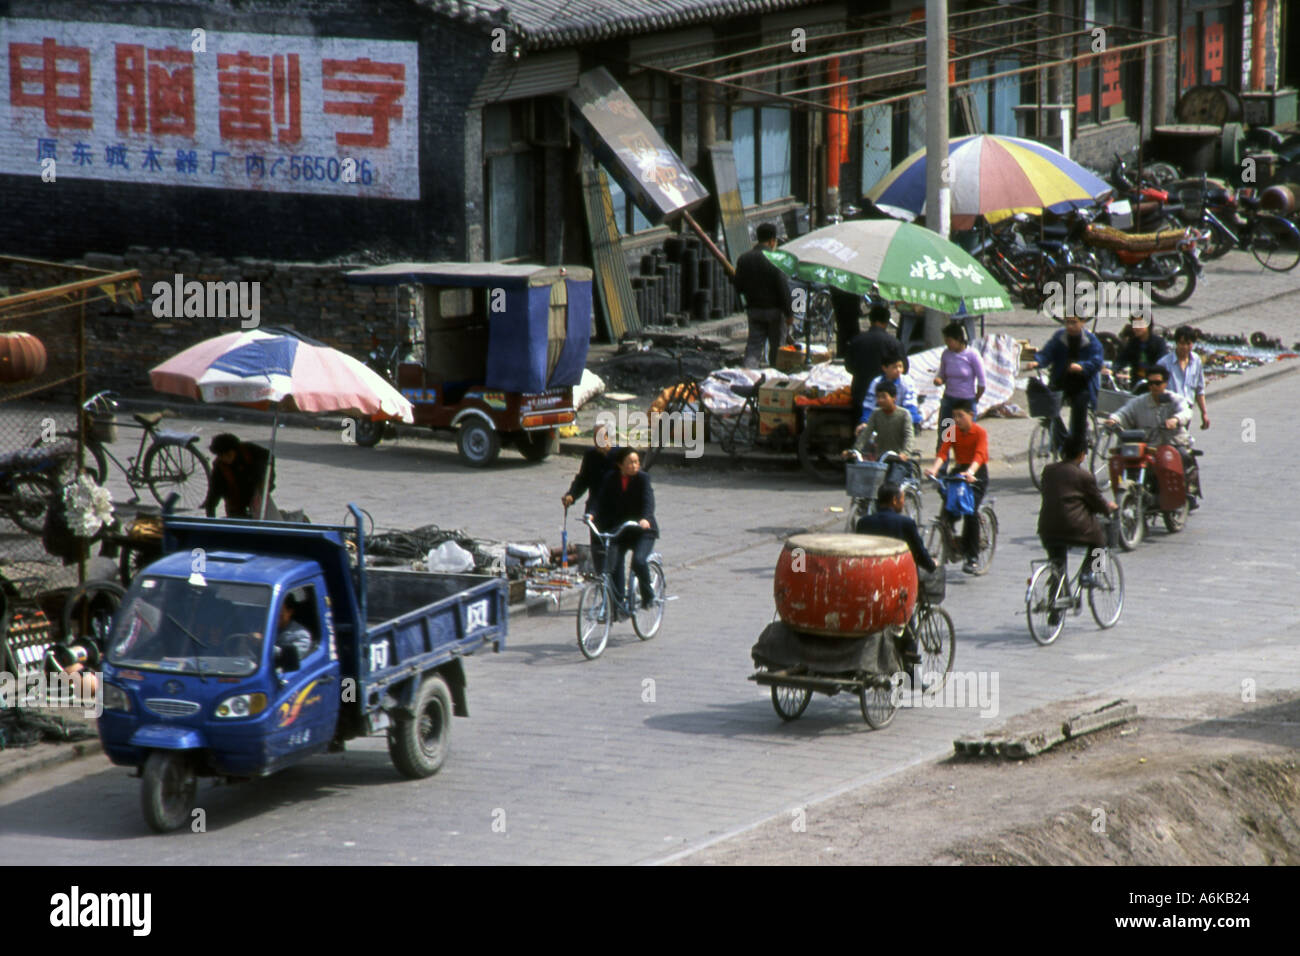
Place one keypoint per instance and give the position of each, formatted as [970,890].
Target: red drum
[844,585]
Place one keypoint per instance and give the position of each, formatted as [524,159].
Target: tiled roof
[548,23]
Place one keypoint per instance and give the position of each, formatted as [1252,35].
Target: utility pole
[938,176]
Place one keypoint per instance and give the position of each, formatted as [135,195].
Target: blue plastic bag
[961,498]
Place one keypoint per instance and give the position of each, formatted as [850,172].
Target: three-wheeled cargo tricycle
[503,347]
[252,645]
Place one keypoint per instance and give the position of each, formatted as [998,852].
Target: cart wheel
[366,432]
[790,702]
[478,442]
[168,790]
[879,703]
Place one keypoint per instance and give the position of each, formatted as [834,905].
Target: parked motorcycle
[1169,260]
[1147,480]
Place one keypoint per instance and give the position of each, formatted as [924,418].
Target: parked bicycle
[1051,593]
[29,479]
[597,605]
[1027,269]
[1239,223]
[944,542]
[168,463]
[1046,439]
[862,479]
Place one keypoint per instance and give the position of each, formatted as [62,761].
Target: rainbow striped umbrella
[896,260]
[994,177]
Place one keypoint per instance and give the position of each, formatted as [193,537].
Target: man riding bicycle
[1070,498]
[1167,415]
[1075,358]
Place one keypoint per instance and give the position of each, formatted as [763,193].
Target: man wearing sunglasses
[1167,414]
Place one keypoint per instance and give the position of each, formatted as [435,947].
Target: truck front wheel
[478,443]
[419,744]
[168,790]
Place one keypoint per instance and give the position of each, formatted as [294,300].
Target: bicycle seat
[149,420]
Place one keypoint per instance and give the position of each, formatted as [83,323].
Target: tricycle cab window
[455,340]
[178,625]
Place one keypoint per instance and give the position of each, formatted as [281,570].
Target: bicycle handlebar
[608,536]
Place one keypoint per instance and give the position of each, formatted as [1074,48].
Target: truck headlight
[241,705]
[115,698]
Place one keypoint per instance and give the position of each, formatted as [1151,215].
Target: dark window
[511,172]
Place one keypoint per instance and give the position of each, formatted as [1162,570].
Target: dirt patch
[1203,781]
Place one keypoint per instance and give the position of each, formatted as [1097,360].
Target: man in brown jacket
[1070,499]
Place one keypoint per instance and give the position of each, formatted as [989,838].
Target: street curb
[60,754]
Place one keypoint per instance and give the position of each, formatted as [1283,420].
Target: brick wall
[73,216]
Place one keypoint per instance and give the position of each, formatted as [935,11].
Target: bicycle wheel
[988,539]
[912,504]
[1106,594]
[1041,452]
[26,500]
[646,620]
[790,702]
[594,620]
[1132,522]
[1275,243]
[1041,602]
[934,541]
[1099,461]
[857,509]
[938,639]
[1034,268]
[178,468]
[879,702]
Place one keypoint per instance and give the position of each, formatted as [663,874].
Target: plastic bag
[961,498]
[449,557]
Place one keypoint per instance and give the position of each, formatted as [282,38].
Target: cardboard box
[778,397]
[771,423]
[790,357]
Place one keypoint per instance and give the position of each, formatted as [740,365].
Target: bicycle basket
[1043,402]
[862,479]
[1111,400]
[101,427]
[934,584]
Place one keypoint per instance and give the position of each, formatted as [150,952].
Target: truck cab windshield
[170,624]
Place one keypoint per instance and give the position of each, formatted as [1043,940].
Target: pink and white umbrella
[283,370]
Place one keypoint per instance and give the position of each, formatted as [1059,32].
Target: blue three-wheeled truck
[252,645]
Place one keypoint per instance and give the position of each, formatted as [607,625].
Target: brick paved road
[586,770]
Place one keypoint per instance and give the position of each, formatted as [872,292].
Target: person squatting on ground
[767,299]
[1074,358]
[965,446]
[238,471]
[626,495]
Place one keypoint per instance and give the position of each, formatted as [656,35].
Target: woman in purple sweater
[961,372]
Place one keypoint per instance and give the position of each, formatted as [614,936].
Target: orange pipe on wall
[1258,44]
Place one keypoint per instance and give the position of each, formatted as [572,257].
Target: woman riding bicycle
[626,495]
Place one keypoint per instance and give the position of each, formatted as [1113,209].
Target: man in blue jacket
[1074,357]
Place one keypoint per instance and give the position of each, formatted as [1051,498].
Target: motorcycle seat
[1164,240]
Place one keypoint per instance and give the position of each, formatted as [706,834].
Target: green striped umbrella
[896,260]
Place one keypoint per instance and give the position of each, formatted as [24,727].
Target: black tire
[1037,266]
[1040,599]
[819,449]
[647,621]
[418,745]
[1181,281]
[1276,243]
[27,500]
[535,446]
[1041,453]
[1162,174]
[937,638]
[88,613]
[858,508]
[790,702]
[595,618]
[177,468]
[988,539]
[1132,521]
[168,790]
[879,703]
[132,560]
[1176,520]
[366,432]
[478,443]
[1106,594]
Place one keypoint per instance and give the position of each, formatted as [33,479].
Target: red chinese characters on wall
[1212,64]
[1112,93]
[54,79]
[256,92]
[155,90]
[374,99]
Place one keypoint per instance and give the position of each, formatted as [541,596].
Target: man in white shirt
[1186,373]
